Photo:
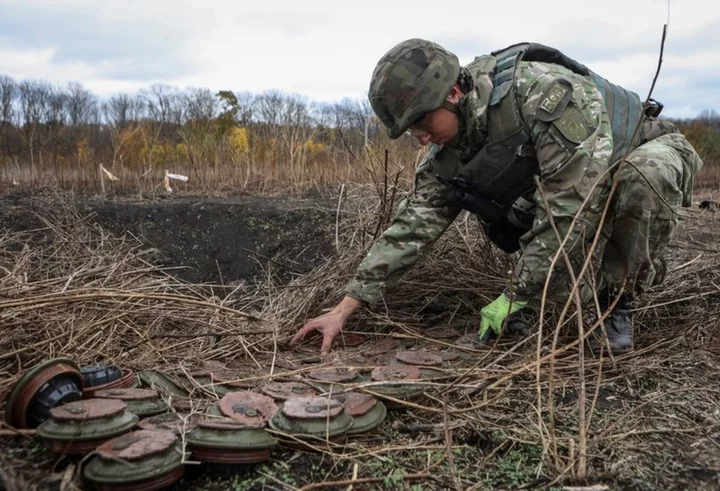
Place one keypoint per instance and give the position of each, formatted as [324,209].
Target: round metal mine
[419,358]
[138,444]
[361,364]
[386,359]
[383,346]
[337,374]
[128,394]
[143,402]
[350,340]
[226,441]
[177,423]
[101,374]
[396,373]
[304,357]
[162,382]
[367,412]
[281,391]
[45,386]
[197,380]
[314,419]
[284,361]
[87,410]
[127,380]
[469,341]
[79,427]
[356,403]
[312,408]
[139,461]
[442,333]
[217,377]
[449,355]
[248,407]
[222,423]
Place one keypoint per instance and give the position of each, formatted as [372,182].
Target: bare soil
[204,240]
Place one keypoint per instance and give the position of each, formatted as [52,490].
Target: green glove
[493,315]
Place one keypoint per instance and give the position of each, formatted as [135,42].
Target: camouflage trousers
[652,185]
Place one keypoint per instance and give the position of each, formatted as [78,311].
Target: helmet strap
[450,106]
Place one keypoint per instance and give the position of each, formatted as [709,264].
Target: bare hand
[330,324]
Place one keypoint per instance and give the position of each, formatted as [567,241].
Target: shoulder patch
[553,97]
[572,125]
[554,101]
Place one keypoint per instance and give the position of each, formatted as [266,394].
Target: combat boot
[660,270]
[618,326]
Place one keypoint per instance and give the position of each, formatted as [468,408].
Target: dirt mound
[206,240]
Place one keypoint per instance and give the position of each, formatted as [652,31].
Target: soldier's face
[438,126]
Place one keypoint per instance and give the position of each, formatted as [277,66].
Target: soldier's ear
[455,94]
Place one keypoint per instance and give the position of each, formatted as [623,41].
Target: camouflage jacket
[573,151]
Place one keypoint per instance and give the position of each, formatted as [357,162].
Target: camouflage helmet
[412,79]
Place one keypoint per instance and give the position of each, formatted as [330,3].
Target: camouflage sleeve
[419,221]
[572,138]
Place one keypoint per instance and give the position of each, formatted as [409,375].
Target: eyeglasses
[421,126]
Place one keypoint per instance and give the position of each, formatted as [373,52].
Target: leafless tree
[122,109]
[55,120]
[161,102]
[81,105]
[200,105]
[246,108]
[200,109]
[34,101]
[354,119]
[710,118]
[122,112]
[288,121]
[8,95]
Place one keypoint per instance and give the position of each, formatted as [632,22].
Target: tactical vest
[504,169]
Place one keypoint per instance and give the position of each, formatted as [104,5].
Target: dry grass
[508,419]
[268,167]
[709,177]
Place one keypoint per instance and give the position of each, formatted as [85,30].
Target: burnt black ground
[205,240]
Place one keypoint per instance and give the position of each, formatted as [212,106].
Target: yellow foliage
[83,150]
[238,139]
[314,148]
[130,136]
[154,153]
[180,151]
[165,152]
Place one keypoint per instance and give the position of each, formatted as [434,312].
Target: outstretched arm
[419,222]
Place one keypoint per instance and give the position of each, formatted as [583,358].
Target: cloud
[326,53]
[113,45]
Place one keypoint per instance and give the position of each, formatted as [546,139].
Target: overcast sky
[327,49]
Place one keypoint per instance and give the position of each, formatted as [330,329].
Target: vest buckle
[525,151]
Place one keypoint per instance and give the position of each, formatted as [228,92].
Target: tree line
[60,135]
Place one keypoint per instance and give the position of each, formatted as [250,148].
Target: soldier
[527,138]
